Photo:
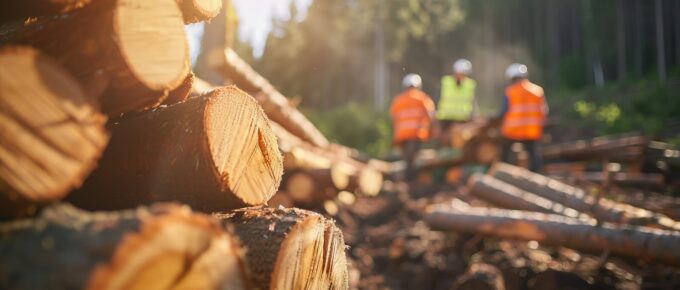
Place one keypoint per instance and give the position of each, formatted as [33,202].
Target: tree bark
[300,249]
[21,10]
[199,10]
[274,103]
[51,134]
[654,246]
[181,93]
[602,209]
[214,152]
[162,247]
[138,45]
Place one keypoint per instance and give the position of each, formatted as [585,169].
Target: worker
[457,97]
[523,113]
[411,112]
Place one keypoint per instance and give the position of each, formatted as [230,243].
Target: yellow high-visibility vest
[456,101]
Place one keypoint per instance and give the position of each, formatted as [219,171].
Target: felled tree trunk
[656,246]
[138,45]
[199,10]
[573,197]
[274,103]
[163,247]
[213,152]
[21,10]
[508,196]
[293,248]
[623,148]
[51,134]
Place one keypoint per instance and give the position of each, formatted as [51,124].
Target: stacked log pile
[628,160]
[99,107]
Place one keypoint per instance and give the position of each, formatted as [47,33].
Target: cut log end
[302,250]
[199,10]
[51,134]
[370,181]
[156,59]
[250,165]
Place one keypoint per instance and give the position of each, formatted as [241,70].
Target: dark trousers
[409,149]
[532,150]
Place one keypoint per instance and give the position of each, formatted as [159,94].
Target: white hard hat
[462,66]
[516,70]
[412,80]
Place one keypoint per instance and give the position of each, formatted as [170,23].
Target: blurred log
[163,247]
[51,134]
[310,188]
[22,10]
[480,276]
[213,152]
[181,93]
[199,10]
[138,45]
[613,149]
[508,196]
[563,168]
[654,246]
[602,209]
[620,178]
[274,103]
[300,249]
[367,181]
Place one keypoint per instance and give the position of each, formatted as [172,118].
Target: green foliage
[641,106]
[357,126]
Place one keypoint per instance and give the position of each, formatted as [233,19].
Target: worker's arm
[475,108]
[545,108]
[504,107]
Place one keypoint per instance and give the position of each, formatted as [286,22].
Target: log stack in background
[65,66]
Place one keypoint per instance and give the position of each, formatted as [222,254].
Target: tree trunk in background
[380,73]
[660,47]
[553,34]
[213,40]
[676,11]
[639,38]
[621,41]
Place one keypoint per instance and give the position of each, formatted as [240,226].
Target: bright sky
[255,22]
[255,18]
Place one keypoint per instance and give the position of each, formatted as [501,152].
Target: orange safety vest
[524,118]
[411,113]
